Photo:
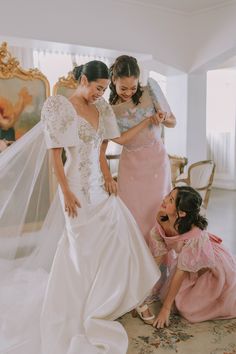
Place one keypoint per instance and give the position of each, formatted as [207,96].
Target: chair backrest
[200,177]
[177,164]
[113,162]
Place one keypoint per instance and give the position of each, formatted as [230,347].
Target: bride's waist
[82,171]
[79,181]
[88,191]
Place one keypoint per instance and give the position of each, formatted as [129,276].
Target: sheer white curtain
[82,59]
[23,55]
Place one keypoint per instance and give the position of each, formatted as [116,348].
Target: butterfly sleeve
[60,123]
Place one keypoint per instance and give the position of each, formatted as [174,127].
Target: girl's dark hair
[93,70]
[124,66]
[189,201]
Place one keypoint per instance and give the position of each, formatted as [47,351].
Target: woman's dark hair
[124,66]
[189,201]
[93,70]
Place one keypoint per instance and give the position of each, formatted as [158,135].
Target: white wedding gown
[102,267]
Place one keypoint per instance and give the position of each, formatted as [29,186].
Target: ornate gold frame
[65,81]
[10,67]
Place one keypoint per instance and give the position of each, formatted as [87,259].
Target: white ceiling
[186,7]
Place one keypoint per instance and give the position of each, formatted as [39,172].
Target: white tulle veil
[31,219]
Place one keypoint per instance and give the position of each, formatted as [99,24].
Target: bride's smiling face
[93,90]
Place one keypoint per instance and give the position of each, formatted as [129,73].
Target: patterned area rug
[212,337]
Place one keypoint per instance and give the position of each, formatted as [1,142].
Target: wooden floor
[221,214]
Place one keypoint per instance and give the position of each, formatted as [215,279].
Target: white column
[176,92]
[196,121]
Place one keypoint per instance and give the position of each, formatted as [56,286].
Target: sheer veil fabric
[28,239]
[25,204]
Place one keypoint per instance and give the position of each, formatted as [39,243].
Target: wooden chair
[113,162]
[200,176]
[177,164]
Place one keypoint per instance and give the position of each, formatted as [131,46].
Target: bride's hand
[71,204]
[110,185]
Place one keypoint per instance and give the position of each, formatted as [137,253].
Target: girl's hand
[162,319]
[110,185]
[71,204]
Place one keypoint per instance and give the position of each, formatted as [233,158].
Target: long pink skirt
[144,179]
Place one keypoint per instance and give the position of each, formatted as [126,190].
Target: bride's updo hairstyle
[93,70]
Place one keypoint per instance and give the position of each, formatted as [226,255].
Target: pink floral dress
[209,290]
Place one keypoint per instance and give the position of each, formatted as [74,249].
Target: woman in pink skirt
[201,284]
[144,175]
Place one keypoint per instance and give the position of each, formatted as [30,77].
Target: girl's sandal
[140,310]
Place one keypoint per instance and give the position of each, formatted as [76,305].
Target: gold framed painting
[22,94]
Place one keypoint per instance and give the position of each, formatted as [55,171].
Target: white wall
[177,94]
[196,123]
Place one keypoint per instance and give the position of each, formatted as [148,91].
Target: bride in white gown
[102,267]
